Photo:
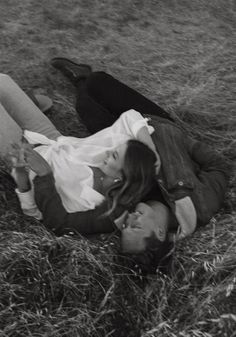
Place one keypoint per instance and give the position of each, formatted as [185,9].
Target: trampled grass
[181,54]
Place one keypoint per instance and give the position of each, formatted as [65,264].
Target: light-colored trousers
[17,113]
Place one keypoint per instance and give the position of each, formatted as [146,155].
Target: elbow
[54,225]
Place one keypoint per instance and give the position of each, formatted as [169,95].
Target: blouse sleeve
[130,122]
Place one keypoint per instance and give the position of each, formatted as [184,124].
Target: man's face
[146,219]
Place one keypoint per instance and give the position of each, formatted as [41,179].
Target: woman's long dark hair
[138,177]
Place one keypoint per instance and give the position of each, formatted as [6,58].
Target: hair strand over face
[138,176]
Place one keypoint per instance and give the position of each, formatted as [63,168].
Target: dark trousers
[101,99]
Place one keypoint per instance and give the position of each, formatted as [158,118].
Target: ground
[180,54]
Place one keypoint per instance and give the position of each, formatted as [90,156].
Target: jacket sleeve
[212,171]
[56,218]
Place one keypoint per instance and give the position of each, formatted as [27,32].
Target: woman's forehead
[121,147]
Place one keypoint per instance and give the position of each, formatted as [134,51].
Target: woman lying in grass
[189,186]
[117,164]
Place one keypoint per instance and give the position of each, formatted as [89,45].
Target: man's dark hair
[156,257]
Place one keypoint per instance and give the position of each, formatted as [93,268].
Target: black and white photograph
[118,168]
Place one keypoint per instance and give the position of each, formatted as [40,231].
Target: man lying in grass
[189,187]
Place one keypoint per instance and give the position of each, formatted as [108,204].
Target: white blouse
[70,159]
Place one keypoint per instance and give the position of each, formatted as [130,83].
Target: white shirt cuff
[28,205]
[186,215]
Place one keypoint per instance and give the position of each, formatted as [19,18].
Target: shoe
[72,70]
[44,103]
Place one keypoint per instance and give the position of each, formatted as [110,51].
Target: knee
[5,80]
[97,79]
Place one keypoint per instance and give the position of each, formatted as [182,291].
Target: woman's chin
[103,168]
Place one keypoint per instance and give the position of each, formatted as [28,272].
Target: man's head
[144,237]
[148,220]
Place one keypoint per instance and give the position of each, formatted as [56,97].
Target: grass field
[181,54]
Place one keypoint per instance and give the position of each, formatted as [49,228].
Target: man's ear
[153,242]
[161,233]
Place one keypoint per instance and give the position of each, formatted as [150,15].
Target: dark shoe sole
[44,103]
[64,59]
[73,71]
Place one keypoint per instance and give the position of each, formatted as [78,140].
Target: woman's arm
[135,125]
[55,217]
[25,193]
[21,176]
[130,123]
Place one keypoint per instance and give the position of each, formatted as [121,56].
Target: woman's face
[114,162]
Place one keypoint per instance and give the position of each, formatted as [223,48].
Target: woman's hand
[21,177]
[17,155]
[120,221]
[36,162]
[19,168]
